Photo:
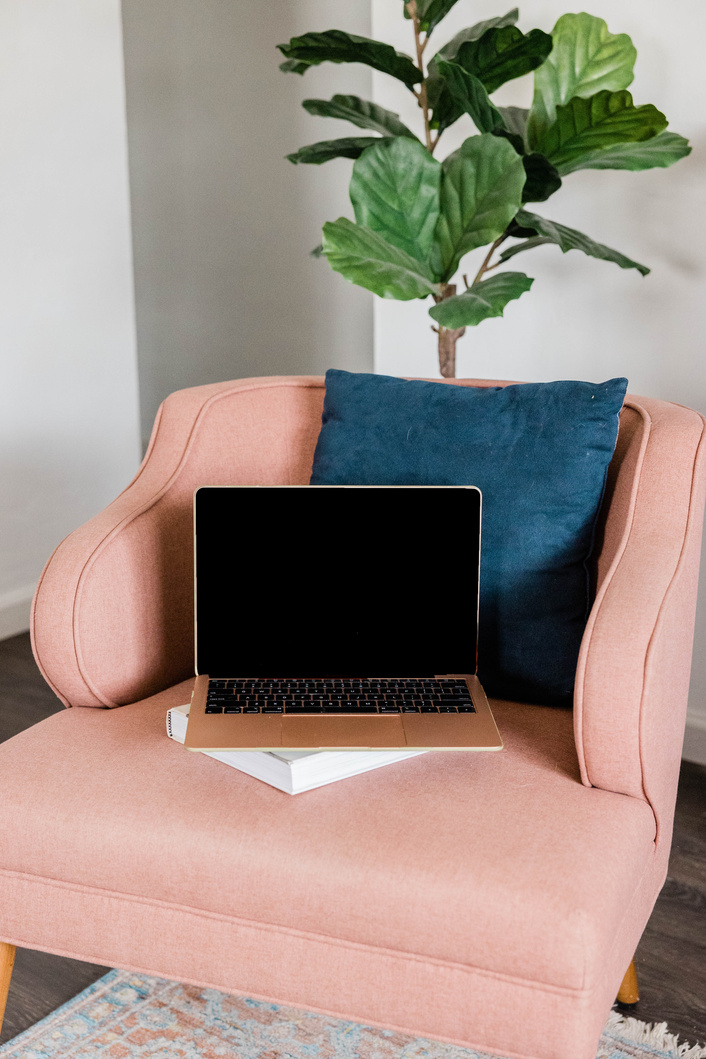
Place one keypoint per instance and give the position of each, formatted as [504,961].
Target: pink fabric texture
[113,613]
[633,673]
[490,900]
[422,895]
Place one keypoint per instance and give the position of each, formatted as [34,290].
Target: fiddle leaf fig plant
[417,218]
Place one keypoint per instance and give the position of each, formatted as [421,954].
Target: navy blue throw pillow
[539,452]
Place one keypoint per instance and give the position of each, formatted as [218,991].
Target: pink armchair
[493,901]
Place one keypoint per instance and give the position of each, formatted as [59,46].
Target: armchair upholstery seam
[142,509]
[273,928]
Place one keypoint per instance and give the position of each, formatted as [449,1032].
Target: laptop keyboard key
[349,697]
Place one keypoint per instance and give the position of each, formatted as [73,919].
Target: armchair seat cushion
[378,860]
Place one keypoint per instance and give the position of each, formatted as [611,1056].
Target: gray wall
[69,432]
[222,223]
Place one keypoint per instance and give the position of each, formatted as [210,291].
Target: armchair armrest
[633,673]
[112,617]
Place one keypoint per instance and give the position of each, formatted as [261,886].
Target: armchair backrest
[113,613]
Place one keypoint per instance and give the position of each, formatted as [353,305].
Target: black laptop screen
[333,581]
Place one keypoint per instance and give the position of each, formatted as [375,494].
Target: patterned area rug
[133,1016]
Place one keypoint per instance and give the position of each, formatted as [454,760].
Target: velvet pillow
[539,452]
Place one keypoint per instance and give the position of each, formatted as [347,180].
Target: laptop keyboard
[338,696]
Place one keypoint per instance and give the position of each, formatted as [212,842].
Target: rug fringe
[655,1035]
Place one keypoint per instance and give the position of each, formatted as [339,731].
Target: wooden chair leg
[629,992]
[7,962]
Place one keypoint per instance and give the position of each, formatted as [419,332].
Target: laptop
[338,617]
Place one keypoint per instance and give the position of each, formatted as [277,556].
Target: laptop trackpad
[358,732]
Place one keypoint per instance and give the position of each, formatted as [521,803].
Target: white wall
[222,227]
[69,438]
[585,318]
[223,224]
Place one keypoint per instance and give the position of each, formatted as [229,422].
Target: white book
[293,771]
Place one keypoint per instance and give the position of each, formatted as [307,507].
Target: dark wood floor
[671,959]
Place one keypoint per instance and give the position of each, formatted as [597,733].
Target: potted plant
[416,218]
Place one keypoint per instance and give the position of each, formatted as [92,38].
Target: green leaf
[450,50]
[660,151]
[515,121]
[431,12]
[469,93]
[542,178]
[481,301]
[512,138]
[444,109]
[585,59]
[567,239]
[516,230]
[395,192]
[365,258]
[481,191]
[503,54]
[527,244]
[499,54]
[325,150]
[293,66]
[338,47]
[584,125]
[362,113]
[437,10]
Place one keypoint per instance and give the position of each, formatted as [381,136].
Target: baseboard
[695,737]
[14,611]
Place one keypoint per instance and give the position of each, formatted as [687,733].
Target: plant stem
[422,94]
[448,336]
[486,266]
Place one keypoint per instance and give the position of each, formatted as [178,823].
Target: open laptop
[338,617]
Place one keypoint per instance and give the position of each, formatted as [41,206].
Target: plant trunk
[447,350]
[448,337]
